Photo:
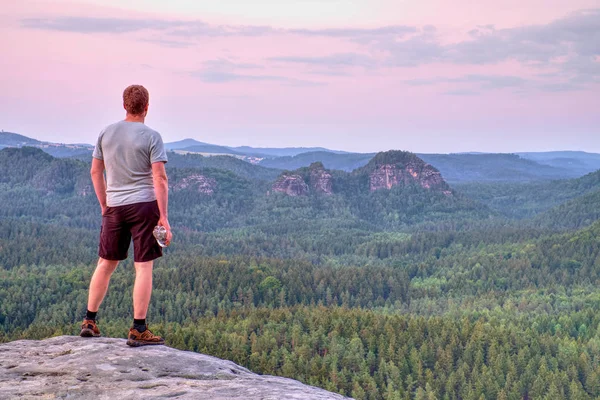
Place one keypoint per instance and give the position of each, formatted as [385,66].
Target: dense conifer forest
[490,293]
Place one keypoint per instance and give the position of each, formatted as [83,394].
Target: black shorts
[122,223]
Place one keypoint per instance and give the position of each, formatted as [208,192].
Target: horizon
[357,76]
[326,148]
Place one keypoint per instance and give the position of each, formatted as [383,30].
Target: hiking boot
[136,339]
[89,328]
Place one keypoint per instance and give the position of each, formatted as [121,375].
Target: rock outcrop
[320,179]
[394,168]
[291,184]
[103,368]
[315,179]
[200,183]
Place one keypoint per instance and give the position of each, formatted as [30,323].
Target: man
[133,199]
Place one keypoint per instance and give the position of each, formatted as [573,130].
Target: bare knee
[141,267]
[106,267]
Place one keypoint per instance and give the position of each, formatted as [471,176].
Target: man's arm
[99,182]
[161,188]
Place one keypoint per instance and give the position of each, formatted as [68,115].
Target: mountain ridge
[456,167]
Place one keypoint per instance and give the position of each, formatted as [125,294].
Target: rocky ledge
[104,368]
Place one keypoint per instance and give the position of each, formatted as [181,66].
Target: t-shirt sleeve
[98,149]
[157,149]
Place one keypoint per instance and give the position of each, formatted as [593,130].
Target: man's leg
[145,250]
[142,289]
[98,288]
[139,334]
[99,283]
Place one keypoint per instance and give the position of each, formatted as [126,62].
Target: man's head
[135,100]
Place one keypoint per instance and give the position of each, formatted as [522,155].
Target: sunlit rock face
[394,168]
[388,175]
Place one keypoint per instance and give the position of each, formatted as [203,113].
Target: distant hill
[9,139]
[394,190]
[343,162]
[181,144]
[527,199]
[235,165]
[455,168]
[208,148]
[583,207]
[459,168]
[247,150]
[284,151]
[579,212]
[578,161]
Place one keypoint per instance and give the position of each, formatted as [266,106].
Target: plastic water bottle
[160,233]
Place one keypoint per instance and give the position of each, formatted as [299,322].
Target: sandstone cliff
[304,181]
[385,171]
[103,368]
[394,168]
[320,179]
[290,184]
[198,182]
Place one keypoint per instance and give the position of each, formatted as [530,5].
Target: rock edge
[106,368]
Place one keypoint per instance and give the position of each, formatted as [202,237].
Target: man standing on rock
[134,199]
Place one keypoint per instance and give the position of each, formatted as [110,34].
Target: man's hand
[165,222]
[99,183]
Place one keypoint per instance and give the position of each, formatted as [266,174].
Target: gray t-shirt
[128,150]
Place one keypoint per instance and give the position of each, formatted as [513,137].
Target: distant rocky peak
[301,182]
[201,183]
[393,168]
[320,179]
[317,165]
[291,184]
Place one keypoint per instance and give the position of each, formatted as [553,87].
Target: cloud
[228,65]
[331,61]
[394,30]
[461,92]
[97,25]
[484,81]
[568,46]
[175,44]
[196,28]
[224,70]
[209,76]
[560,87]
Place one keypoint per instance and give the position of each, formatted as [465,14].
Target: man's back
[128,150]
[134,200]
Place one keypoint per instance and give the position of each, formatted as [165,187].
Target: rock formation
[201,183]
[320,179]
[291,184]
[103,368]
[394,168]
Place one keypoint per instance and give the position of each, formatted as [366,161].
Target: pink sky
[423,76]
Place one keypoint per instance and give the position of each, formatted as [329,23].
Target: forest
[491,293]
